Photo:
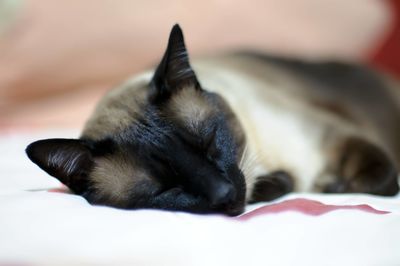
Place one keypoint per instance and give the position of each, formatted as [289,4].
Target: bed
[42,224]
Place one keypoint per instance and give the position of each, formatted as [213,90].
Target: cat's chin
[234,210]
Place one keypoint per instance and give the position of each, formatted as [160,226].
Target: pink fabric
[61,189]
[305,206]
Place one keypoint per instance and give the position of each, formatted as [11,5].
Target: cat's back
[290,108]
[333,93]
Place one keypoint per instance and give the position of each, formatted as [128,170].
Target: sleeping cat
[233,129]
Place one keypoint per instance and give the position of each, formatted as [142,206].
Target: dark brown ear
[174,71]
[68,160]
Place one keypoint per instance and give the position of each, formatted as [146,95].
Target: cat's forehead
[128,107]
[191,109]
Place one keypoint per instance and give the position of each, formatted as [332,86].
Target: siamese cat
[211,136]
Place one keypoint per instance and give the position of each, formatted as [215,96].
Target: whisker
[248,165]
[243,155]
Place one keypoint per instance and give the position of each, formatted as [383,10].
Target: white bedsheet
[46,228]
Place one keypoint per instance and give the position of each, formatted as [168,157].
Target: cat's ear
[69,160]
[174,71]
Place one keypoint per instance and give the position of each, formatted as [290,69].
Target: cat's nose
[223,194]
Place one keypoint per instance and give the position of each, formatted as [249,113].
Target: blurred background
[58,57]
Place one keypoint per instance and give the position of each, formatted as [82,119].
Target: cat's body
[256,128]
[294,112]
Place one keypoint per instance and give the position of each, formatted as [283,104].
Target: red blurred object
[387,56]
[305,206]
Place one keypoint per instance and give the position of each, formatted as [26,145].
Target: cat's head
[179,150]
